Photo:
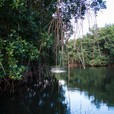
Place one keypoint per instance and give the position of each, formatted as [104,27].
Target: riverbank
[11,86]
[76,65]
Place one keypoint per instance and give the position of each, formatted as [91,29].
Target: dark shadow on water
[31,101]
[96,84]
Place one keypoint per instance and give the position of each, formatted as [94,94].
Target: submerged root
[10,86]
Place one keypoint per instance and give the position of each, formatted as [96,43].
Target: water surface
[81,91]
[90,91]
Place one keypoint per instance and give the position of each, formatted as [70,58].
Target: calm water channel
[81,91]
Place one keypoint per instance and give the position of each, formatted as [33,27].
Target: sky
[103,18]
[106,16]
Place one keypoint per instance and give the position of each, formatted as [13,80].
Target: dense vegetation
[23,38]
[32,33]
[96,48]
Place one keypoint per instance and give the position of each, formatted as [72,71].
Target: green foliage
[95,50]
[16,49]
[1,3]
[21,38]
[17,3]
[23,34]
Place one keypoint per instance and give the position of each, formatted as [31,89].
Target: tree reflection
[49,101]
[98,82]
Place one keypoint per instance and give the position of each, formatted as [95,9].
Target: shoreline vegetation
[77,65]
[32,34]
[38,80]
[92,50]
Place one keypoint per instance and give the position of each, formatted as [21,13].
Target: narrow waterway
[80,91]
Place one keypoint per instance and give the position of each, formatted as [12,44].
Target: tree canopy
[32,31]
[93,50]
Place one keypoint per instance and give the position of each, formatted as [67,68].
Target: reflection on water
[80,104]
[90,91]
[80,91]
[31,101]
[57,70]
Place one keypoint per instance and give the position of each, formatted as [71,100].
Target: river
[80,91]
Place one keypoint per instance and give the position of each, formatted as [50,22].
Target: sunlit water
[80,91]
[80,103]
[89,91]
